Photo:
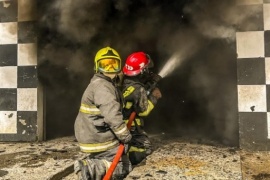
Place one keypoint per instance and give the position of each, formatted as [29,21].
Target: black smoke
[199,95]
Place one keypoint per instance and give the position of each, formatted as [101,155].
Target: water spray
[174,61]
[169,67]
[180,54]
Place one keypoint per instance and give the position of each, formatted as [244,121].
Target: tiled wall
[253,69]
[20,115]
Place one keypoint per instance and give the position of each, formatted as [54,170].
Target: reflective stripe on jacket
[89,109]
[99,147]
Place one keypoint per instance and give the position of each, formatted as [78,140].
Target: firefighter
[99,126]
[139,97]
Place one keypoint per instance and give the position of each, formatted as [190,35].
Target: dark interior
[199,95]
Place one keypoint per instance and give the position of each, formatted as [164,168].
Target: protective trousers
[140,147]
[94,167]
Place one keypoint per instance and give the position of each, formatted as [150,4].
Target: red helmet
[136,63]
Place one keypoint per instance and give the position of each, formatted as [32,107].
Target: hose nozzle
[152,83]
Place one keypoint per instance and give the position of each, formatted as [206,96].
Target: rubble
[35,161]
[173,158]
[176,158]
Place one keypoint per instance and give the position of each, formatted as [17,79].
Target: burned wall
[199,88]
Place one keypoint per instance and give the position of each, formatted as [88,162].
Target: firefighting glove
[126,139]
[156,93]
[155,77]
[122,133]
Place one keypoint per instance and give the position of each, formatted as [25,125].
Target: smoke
[78,21]
[219,22]
[221,19]
[192,43]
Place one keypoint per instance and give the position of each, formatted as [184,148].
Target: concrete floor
[173,158]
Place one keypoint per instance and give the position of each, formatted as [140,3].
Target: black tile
[267,43]
[8,55]
[27,123]
[27,77]
[26,127]
[253,131]
[253,22]
[27,32]
[18,137]
[251,71]
[8,99]
[8,137]
[8,11]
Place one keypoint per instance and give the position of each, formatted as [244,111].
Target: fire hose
[119,152]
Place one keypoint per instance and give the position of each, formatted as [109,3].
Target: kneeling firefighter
[141,95]
[99,126]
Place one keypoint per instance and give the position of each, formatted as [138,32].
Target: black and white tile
[18,71]
[253,74]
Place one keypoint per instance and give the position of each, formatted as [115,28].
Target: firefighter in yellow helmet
[99,126]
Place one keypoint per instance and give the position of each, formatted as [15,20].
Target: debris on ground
[177,158]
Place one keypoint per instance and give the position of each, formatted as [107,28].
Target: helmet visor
[109,65]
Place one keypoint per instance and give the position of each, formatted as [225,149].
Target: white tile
[8,33]
[250,44]
[252,97]
[268,125]
[5,4]
[8,122]
[27,10]
[248,2]
[266,16]
[27,54]
[27,99]
[267,70]
[8,77]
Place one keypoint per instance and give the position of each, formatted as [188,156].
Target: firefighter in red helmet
[140,97]
[99,126]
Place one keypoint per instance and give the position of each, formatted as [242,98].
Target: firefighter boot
[81,169]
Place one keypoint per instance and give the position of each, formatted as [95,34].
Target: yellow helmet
[107,60]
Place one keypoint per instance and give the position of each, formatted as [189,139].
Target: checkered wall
[19,92]
[21,97]
[253,70]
